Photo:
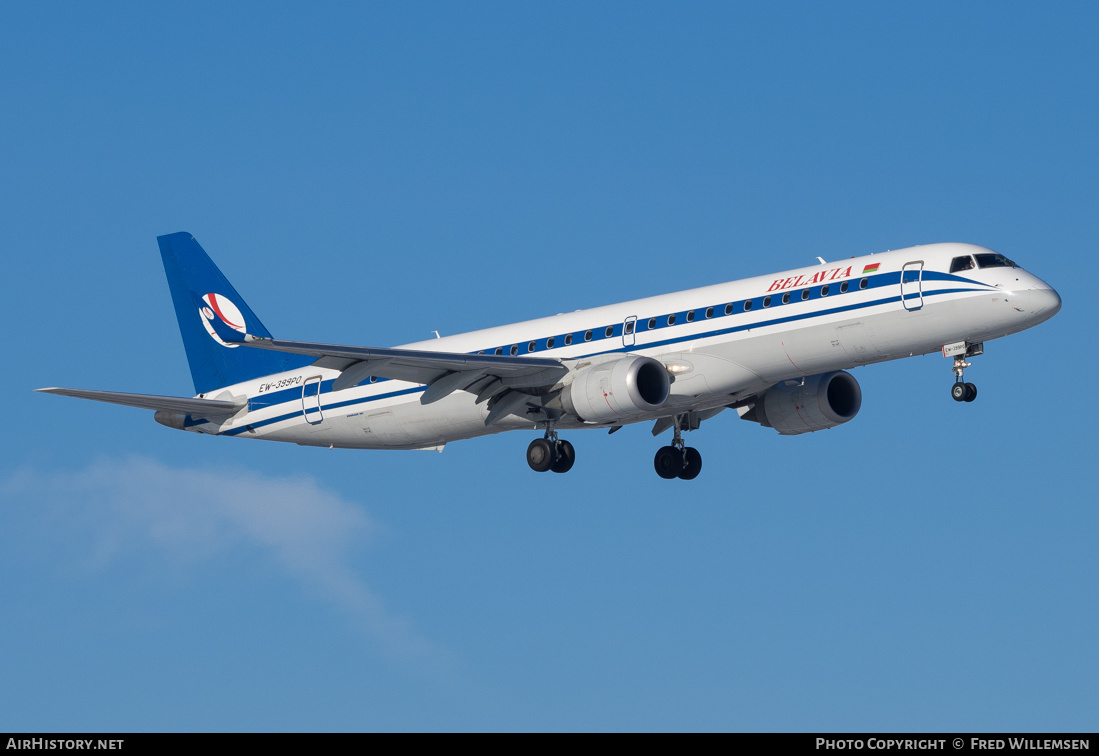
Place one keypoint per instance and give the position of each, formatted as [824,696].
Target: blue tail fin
[201,293]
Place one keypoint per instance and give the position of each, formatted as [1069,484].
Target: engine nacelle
[616,390]
[822,401]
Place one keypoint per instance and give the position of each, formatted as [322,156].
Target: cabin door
[629,326]
[912,285]
[311,400]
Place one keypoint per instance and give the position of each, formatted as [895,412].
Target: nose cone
[1051,300]
[1042,303]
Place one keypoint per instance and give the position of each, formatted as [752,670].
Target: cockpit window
[993,260]
[961,263]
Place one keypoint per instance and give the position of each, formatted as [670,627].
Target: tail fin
[201,293]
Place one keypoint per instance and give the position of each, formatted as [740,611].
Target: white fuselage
[725,342]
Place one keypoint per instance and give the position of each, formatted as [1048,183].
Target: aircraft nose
[1043,301]
[1047,301]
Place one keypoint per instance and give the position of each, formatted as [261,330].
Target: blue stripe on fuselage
[294,394]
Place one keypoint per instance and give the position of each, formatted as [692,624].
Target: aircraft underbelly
[410,424]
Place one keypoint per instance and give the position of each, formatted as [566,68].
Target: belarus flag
[871,268]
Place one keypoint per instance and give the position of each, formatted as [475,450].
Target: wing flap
[510,403]
[448,384]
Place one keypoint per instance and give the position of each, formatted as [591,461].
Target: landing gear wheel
[692,464]
[964,392]
[540,455]
[566,455]
[668,462]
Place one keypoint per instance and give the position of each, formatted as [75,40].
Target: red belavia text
[803,280]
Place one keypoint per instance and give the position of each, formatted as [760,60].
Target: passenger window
[587,335]
[628,328]
[961,263]
[747,305]
[824,291]
[549,343]
[729,309]
[843,288]
[652,324]
[568,339]
[786,298]
[514,349]
[690,316]
[709,312]
[499,351]
[766,302]
[863,283]
[804,295]
[532,346]
[373,379]
[671,320]
[610,331]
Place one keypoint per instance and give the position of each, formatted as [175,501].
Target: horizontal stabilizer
[196,407]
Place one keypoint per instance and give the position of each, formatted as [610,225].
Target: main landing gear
[677,460]
[550,453]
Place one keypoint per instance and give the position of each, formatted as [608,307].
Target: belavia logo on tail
[220,306]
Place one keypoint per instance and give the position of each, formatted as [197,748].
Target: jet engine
[622,388]
[819,402]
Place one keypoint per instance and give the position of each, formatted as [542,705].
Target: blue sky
[366,174]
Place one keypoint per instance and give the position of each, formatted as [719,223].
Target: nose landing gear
[961,391]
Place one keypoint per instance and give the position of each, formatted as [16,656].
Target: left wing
[444,372]
[486,375]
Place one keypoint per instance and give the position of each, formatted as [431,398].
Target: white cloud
[192,515]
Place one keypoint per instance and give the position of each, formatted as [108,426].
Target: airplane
[774,348]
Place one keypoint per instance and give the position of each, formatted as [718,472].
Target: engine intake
[626,387]
[822,401]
